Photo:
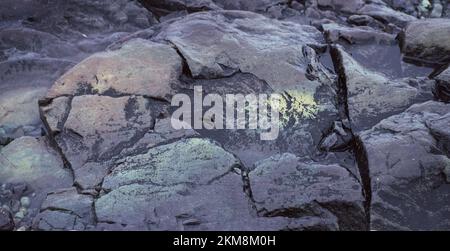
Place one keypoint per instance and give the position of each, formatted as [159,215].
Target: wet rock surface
[87,143]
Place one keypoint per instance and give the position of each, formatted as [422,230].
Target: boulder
[138,68]
[426,41]
[371,96]
[356,35]
[406,169]
[284,185]
[386,14]
[221,43]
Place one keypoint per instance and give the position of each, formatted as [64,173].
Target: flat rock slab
[407,161]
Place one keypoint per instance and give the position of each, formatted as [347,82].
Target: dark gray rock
[405,158]
[442,88]
[6,220]
[108,103]
[356,35]
[66,210]
[347,6]
[426,42]
[371,96]
[30,166]
[386,14]
[284,185]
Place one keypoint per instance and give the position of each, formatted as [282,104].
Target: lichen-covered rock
[284,185]
[371,96]
[407,165]
[138,68]
[139,183]
[66,210]
[426,41]
[200,189]
[98,127]
[222,48]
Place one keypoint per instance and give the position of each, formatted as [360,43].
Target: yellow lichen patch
[295,105]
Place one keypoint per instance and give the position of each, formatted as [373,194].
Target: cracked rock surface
[87,143]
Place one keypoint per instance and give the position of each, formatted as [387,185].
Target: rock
[406,6]
[75,16]
[284,185]
[19,114]
[426,42]
[442,88]
[36,163]
[219,44]
[108,103]
[6,220]
[386,15]
[98,127]
[66,210]
[143,181]
[405,158]
[225,47]
[201,189]
[371,96]
[165,7]
[138,68]
[364,20]
[348,6]
[356,35]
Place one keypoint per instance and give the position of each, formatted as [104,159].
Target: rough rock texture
[358,149]
[218,44]
[6,220]
[442,88]
[42,39]
[32,167]
[66,210]
[156,191]
[371,96]
[138,68]
[34,162]
[427,41]
[406,157]
[284,185]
